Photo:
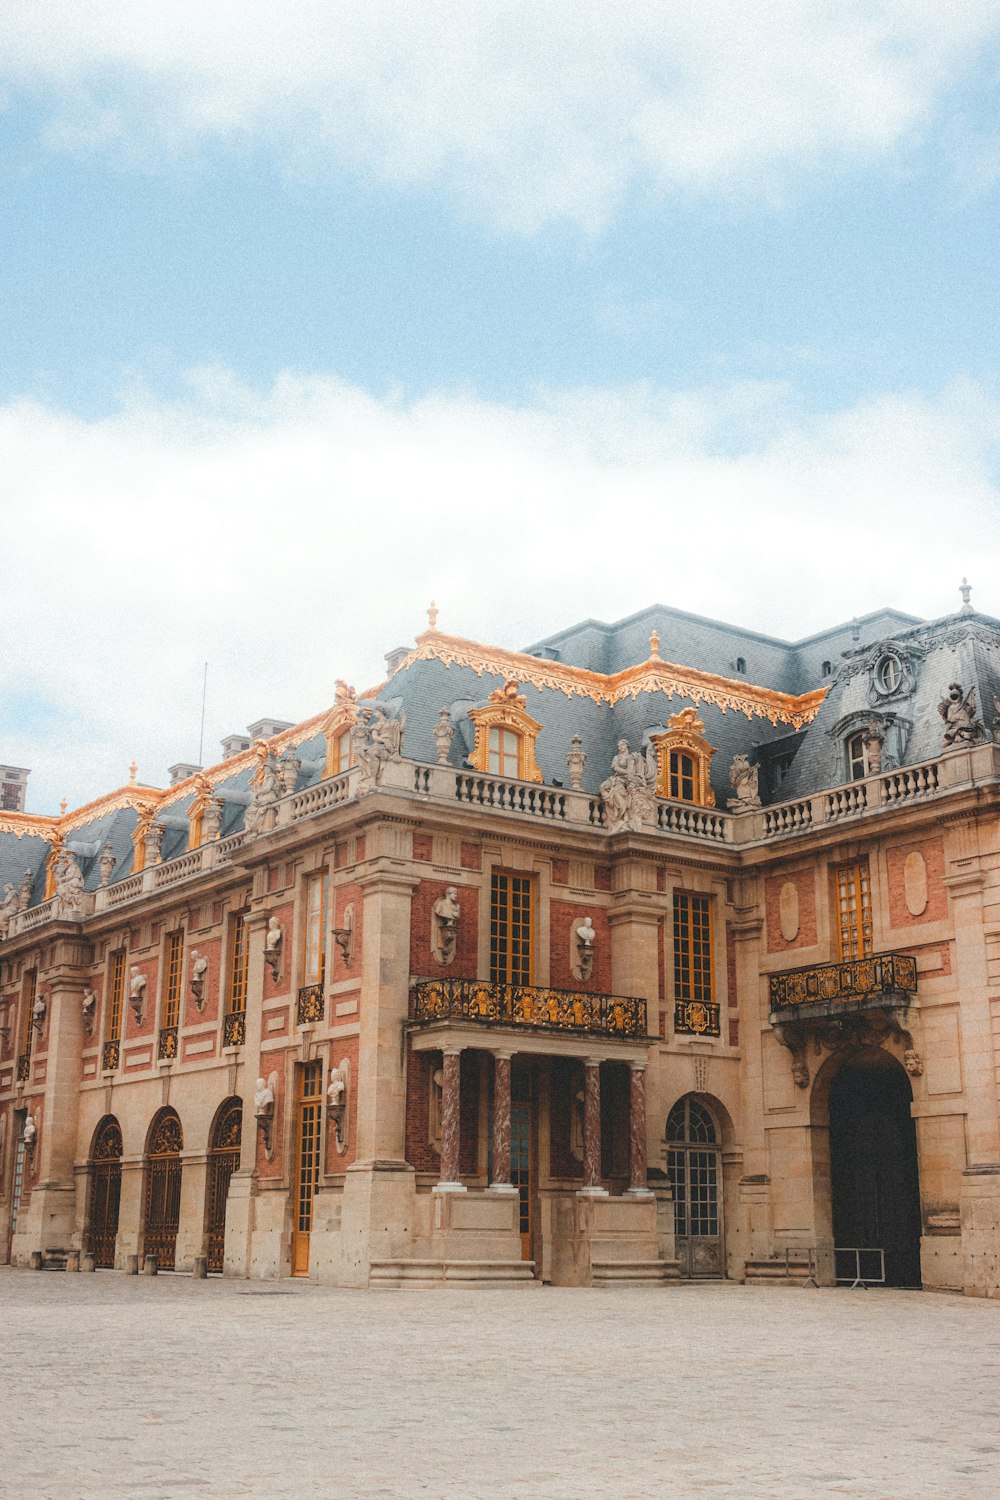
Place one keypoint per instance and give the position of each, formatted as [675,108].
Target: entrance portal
[163,1189]
[694,1169]
[223,1161]
[105,1192]
[873,1168]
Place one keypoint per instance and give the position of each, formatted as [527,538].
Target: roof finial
[62,807]
[654,644]
[965,589]
[432,616]
[855,630]
[132,772]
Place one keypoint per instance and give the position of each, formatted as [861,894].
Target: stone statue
[69,887]
[265,789]
[211,819]
[273,940]
[199,969]
[376,739]
[38,1014]
[288,767]
[25,891]
[912,1062]
[106,864]
[996,721]
[627,794]
[446,912]
[153,844]
[744,780]
[137,992]
[263,1099]
[89,1006]
[444,733]
[28,1133]
[576,759]
[585,938]
[10,907]
[961,727]
[336,1090]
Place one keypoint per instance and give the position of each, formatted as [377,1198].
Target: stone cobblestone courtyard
[131,1387]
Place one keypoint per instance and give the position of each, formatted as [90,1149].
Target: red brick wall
[471,857]
[422,961]
[731,966]
[932,850]
[804,882]
[602,877]
[423,847]
[286,966]
[560,872]
[345,896]
[562,915]
[210,948]
[131,1028]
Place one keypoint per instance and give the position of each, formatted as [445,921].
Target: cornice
[651,676]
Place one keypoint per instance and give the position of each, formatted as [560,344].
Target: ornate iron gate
[163,1190]
[223,1161]
[105,1193]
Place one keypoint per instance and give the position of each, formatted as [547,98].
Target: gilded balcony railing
[309,1006]
[234,1029]
[856,981]
[527,1006]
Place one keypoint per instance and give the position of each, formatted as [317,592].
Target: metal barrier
[857,1251]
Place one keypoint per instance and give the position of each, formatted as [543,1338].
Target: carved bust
[263,1099]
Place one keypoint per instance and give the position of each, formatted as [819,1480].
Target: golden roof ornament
[62,807]
[343,692]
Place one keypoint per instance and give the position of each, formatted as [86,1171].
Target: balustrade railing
[177,869]
[485,1003]
[125,890]
[316,799]
[858,979]
[696,822]
[511,796]
[37,916]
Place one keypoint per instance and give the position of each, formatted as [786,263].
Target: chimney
[181,771]
[394,659]
[263,729]
[13,788]
[233,744]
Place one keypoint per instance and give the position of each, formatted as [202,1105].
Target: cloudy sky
[313,312]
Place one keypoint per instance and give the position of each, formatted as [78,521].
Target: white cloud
[293,536]
[527,113]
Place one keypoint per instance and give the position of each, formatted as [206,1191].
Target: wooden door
[223,1161]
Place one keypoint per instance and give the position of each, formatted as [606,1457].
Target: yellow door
[308,1129]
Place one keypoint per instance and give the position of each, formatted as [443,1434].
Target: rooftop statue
[69,886]
[627,794]
[961,727]
[376,740]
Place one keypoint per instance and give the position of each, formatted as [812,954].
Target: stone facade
[774,1051]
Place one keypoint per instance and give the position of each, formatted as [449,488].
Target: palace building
[656,950]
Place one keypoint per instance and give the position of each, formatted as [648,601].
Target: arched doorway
[162,1208]
[873,1168]
[105,1192]
[694,1167]
[223,1161]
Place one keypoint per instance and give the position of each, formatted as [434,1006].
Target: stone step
[431,1273]
[629,1272]
[792,1272]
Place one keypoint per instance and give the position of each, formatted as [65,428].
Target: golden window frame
[506,708]
[685,735]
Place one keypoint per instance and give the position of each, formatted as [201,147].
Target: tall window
[504,758]
[510,929]
[341,757]
[237,998]
[694,1009]
[29,989]
[314,967]
[172,979]
[854,910]
[116,994]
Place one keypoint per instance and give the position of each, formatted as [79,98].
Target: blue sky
[311,314]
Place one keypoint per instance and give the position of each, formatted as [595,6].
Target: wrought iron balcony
[527,1007]
[309,1006]
[858,984]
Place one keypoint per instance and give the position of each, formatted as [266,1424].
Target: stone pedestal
[980,1211]
[607,1241]
[377,1215]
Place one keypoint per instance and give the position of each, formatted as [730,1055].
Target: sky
[312,313]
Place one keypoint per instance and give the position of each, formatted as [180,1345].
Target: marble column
[592,1129]
[451,1123]
[500,1179]
[637,1132]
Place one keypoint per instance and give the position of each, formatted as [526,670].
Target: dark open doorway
[873,1166]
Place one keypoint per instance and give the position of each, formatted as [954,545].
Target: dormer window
[505,736]
[827,669]
[889,674]
[683,760]
[741,666]
[857,757]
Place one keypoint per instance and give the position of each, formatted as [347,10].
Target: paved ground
[118,1386]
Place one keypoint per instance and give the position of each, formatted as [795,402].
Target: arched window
[683,760]
[693,1166]
[741,665]
[827,669]
[162,1197]
[105,1192]
[857,757]
[223,1161]
[505,736]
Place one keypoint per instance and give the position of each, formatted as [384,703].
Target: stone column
[637,1132]
[451,1124]
[592,1187]
[500,1181]
[240,1213]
